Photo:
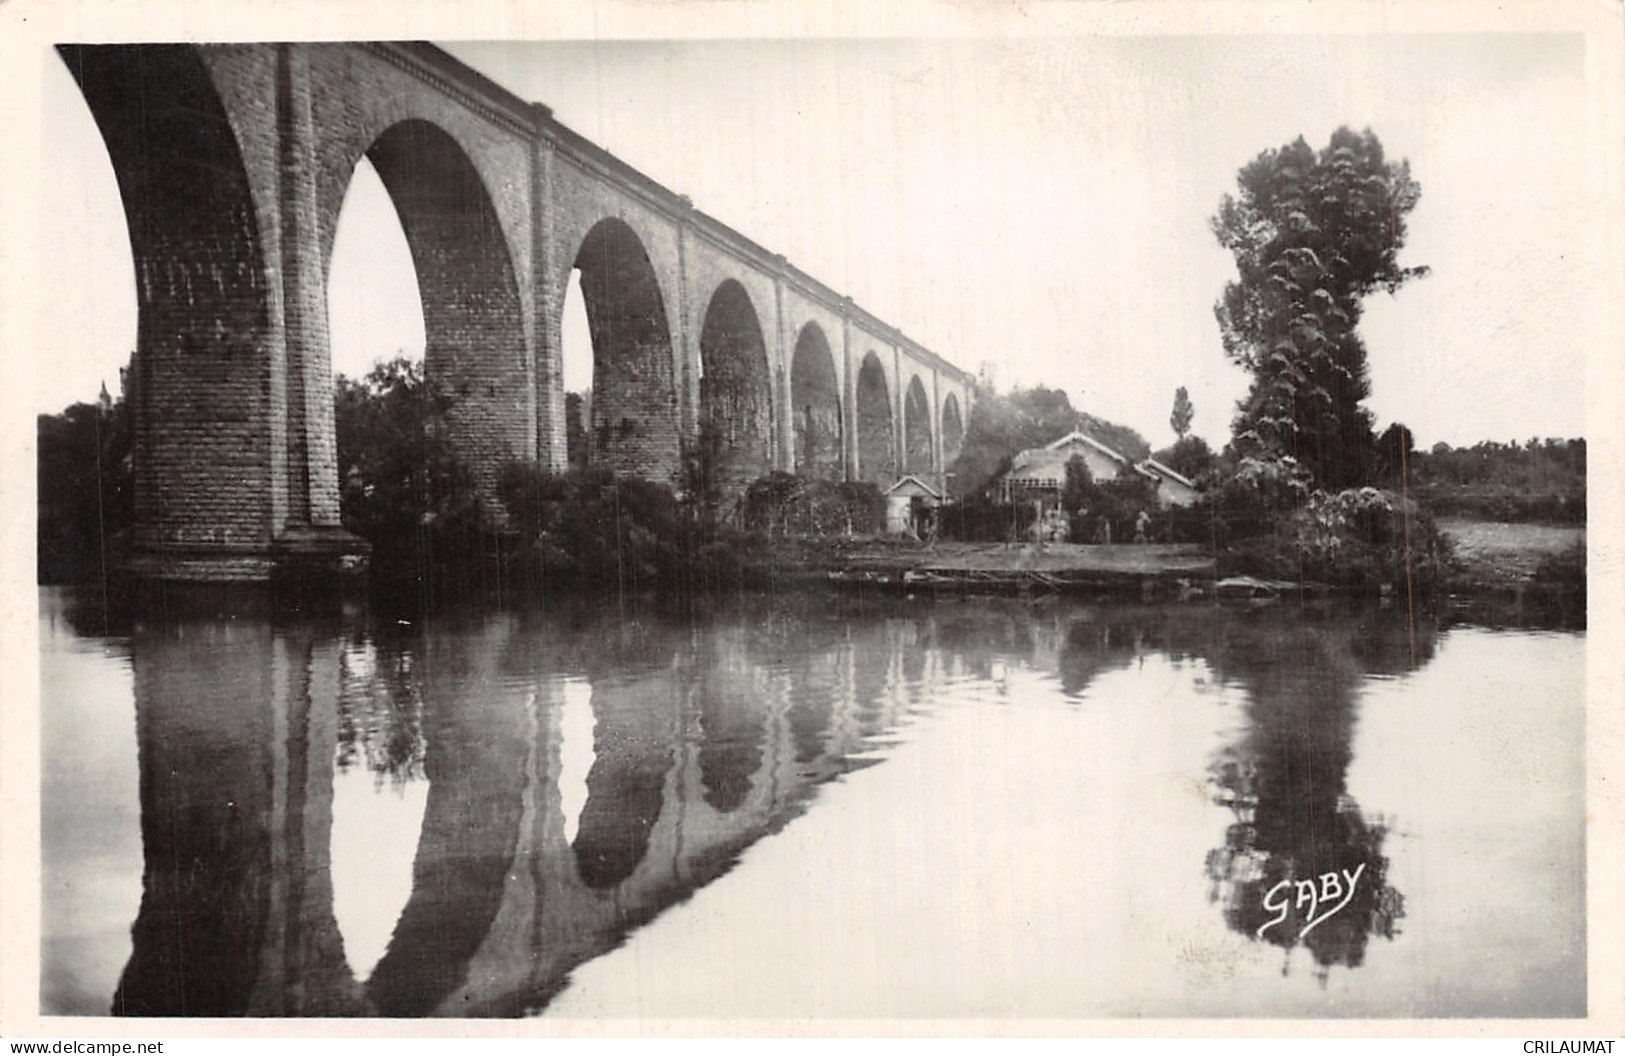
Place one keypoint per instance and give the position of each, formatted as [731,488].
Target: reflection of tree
[380,715]
[1092,646]
[1103,638]
[1285,781]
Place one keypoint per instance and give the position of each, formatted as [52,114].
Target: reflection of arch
[474,334]
[626,785]
[735,397]
[732,729]
[474,761]
[634,392]
[916,429]
[953,429]
[815,404]
[877,454]
[201,287]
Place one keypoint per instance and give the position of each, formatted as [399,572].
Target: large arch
[815,402]
[212,480]
[634,390]
[877,448]
[916,429]
[474,336]
[953,429]
[735,394]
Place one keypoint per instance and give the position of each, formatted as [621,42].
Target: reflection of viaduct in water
[695,752]
[233,162]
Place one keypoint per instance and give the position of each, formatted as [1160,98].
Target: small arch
[735,396]
[916,429]
[953,429]
[815,404]
[877,448]
[733,730]
[634,393]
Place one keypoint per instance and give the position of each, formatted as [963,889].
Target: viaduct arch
[233,162]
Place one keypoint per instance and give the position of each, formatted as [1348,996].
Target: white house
[1043,469]
[1040,472]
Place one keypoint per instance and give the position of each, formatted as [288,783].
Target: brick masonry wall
[205,336]
[916,429]
[736,388]
[815,406]
[953,429]
[877,462]
[630,263]
[634,396]
[461,179]
[233,163]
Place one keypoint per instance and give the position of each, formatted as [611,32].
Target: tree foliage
[1190,456]
[1182,414]
[1312,235]
[1001,425]
[400,487]
[1536,481]
[86,488]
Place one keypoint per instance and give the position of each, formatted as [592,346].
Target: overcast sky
[1039,204]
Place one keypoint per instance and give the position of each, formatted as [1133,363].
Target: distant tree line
[1538,480]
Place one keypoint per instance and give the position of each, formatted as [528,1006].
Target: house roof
[1171,474]
[922,485]
[1077,435]
[1054,448]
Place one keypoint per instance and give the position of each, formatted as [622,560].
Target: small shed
[910,504]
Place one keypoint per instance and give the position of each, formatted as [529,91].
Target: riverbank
[1488,557]
[990,566]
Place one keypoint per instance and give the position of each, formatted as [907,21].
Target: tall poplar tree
[1182,414]
[1312,235]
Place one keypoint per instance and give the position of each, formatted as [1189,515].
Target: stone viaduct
[232,163]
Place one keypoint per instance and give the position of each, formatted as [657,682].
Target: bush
[981,520]
[402,490]
[1565,570]
[1363,538]
[787,504]
[588,529]
[86,490]
[1117,503]
[1507,504]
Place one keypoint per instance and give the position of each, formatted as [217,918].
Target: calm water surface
[962,808]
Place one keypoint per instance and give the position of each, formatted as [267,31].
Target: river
[814,807]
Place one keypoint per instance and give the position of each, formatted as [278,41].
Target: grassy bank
[1497,555]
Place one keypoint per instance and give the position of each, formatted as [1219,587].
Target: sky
[1037,204]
